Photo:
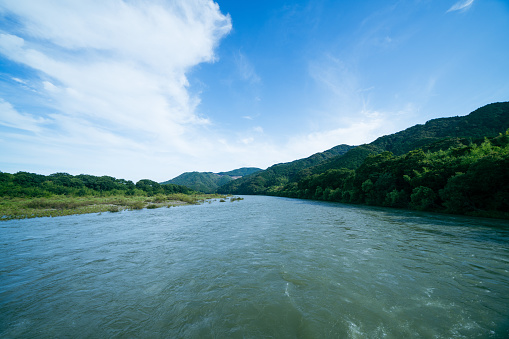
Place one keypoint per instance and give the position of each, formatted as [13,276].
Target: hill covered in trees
[241,172]
[279,174]
[471,180]
[208,182]
[436,134]
[455,165]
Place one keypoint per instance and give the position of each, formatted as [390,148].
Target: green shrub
[138,205]
[114,209]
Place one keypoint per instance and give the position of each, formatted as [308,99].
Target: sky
[149,89]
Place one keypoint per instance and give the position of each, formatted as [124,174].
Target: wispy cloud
[461,5]
[113,72]
[246,68]
[21,81]
[11,118]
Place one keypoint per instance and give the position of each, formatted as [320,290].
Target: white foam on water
[354,330]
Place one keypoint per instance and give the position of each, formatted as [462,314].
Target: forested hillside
[455,165]
[279,174]
[471,179]
[208,182]
[435,134]
[241,172]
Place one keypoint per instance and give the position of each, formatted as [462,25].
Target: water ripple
[261,267]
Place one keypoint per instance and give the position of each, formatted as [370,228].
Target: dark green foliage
[149,186]
[423,198]
[206,182]
[24,184]
[351,159]
[470,180]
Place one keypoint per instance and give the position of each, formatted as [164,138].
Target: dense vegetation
[24,184]
[445,165]
[29,195]
[208,182]
[471,180]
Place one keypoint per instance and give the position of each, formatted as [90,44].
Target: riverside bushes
[59,205]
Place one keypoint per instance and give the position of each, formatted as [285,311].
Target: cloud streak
[246,69]
[11,118]
[461,6]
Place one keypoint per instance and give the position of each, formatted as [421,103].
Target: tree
[149,186]
[423,198]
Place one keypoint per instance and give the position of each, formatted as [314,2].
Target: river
[263,267]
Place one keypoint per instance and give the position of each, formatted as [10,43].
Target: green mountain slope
[467,179]
[208,182]
[279,174]
[488,120]
[241,172]
[436,134]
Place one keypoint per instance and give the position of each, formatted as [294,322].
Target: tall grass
[59,205]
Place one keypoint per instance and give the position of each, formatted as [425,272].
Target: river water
[263,267]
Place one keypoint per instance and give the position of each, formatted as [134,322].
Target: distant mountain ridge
[208,182]
[280,174]
[241,172]
[435,134]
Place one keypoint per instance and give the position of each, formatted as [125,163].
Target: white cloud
[48,86]
[258,129]
[11,118]
[21,81]
[246,69]
[461,5]
[342,89]
[113,73]
[356,131]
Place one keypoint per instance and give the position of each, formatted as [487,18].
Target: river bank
[60,205]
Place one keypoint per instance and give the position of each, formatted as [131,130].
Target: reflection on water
[261,267]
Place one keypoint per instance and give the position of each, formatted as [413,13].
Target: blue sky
[151,89]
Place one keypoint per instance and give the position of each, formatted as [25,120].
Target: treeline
[469,179]
[24,184]
[206,182]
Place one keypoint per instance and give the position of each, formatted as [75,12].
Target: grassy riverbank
[59,205]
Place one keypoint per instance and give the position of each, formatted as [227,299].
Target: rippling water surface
[261,267]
